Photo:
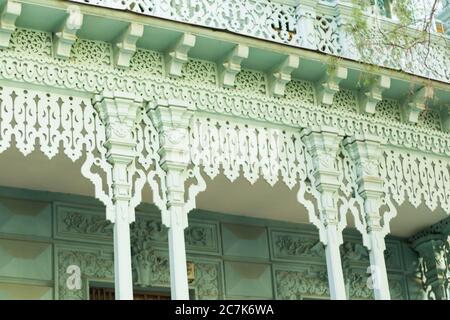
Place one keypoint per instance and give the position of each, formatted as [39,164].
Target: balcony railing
[315,25]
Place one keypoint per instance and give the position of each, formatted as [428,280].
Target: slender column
[323,146]
[366,153]
[433,246]
[120,112]
[172,118]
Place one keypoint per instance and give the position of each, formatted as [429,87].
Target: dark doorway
[96,293]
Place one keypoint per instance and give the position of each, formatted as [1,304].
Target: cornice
[71,74]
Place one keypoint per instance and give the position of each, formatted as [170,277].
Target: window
[96,293]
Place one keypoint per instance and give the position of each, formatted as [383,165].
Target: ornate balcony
[310,24]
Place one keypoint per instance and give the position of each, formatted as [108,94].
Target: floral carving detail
[31,43]
[357,286]
[91,53]
[251,81]
[207,281]
[345,100]
[198,236]
[146,62]
[199,72]
[301,92]
[327,37]
[86,224]
[429,119]
[388,110]
[296,246]
[175,136]
[295,285]
[147,230]
[93,265]
[352,251]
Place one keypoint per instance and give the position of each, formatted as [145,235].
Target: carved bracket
[125,45]
[67,34]
[415,104]
[373,93]
[327,87]
[230,66]
[281,75]
[10,13]
[177,56]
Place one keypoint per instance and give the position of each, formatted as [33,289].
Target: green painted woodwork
[245,241]
[234,257]
[248,280]
[25,217]
[14,291]
[32,260]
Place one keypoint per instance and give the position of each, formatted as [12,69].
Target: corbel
[8,17]
[371,94]
[445,117]
[327,87]
[416,103]
[230,66]
[177,56]
[281,75]
[67,34]
[125,46]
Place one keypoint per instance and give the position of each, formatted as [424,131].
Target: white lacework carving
[300,91]
[30,42]
[429,119]
[351,201]
[251,82]
[327,37]
[51,122]
[92,53]
[199,72]
[417,177]
[146,62]
[221,145]
[388,110]
[148,169]
[87,76]
[344,100]
[238,149]
[277,22]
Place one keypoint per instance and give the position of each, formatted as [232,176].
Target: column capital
[366,152]
[120,113]
[172,118]
[323,146]
[433,247]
